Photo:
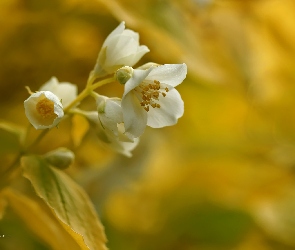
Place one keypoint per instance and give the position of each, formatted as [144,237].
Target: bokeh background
[223,177]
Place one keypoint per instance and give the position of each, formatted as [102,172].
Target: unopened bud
[123,74]
[61,158]
[100,103]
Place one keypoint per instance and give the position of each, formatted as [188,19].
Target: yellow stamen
[150,93]
[45,108]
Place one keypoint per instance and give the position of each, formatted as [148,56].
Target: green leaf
[46,226]
[68,201]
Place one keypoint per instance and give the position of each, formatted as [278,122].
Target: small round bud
[61,158]
[123,74]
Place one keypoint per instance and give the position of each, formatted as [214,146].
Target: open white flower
[108,137]
[150,98]
[43,109]
[120,48]
[65,91]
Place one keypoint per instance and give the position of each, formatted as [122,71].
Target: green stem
[37,140]
[87,91]
[9,171]
[102,82]
[91,79]
[4,179]
[79,98]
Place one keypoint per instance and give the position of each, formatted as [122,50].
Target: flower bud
[109,132]
[43,109]
[61,158]
[109,112]
[120,48]
[123,74]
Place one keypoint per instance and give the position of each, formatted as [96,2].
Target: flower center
[150,93]
[45,108]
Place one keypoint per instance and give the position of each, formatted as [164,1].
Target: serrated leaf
[68,201]
[39,218]
[80,126]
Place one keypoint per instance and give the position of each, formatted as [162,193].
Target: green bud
[61,158]
[101,104]
[123,74]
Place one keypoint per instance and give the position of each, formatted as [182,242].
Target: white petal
[111,115]
[132,34]
[49,85]
[119,48]
[135,117]
[171,74]
[122,135]
[142,50]
[127,60]
[90,115]
[65,91]
[171,109]
[123,148]
[138,76]
[117,31]
[109,138]
[113,110]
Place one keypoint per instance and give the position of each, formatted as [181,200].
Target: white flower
[122,147]
[43,109]
[109,112]
[150,99]
[65,91]
[120,48]
[111,116]
[108,137]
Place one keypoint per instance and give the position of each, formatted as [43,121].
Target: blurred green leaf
[212,225]
[68,200]
[40,220]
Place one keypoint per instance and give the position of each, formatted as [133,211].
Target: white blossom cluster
[149,98]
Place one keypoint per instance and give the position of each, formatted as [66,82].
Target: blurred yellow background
[223,177]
